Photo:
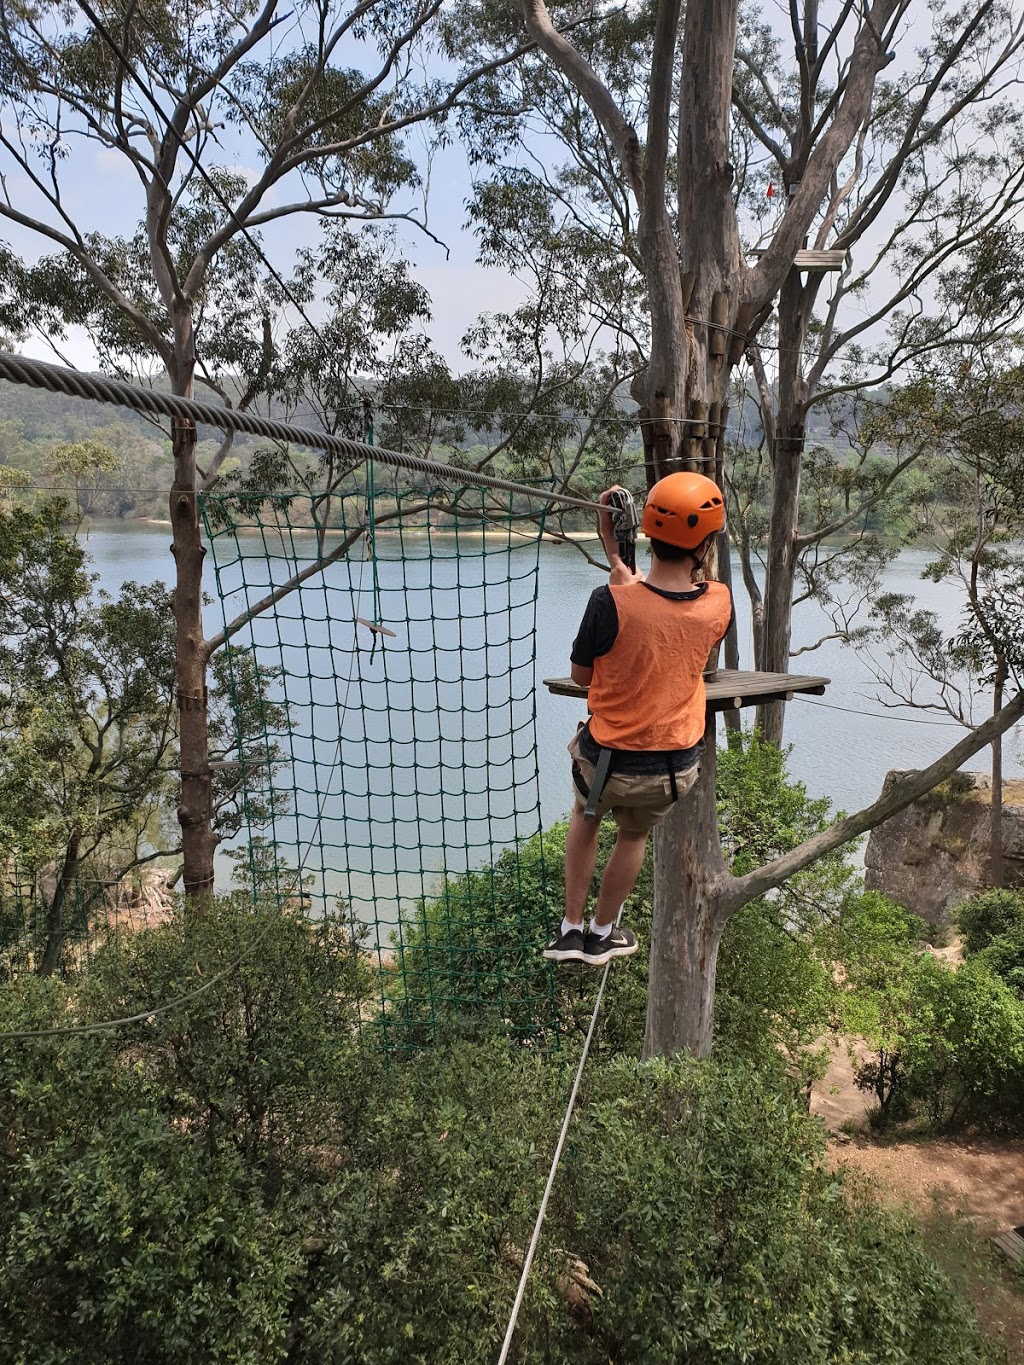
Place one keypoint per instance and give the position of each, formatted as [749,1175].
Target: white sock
[568,927]
[601,930]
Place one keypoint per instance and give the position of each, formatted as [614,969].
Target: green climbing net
[405,786]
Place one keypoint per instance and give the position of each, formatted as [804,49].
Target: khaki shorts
[636,800]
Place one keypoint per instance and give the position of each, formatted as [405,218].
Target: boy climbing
[641,649]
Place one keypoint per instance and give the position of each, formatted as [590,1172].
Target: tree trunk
[689,872]
[55,915]
[996,870]
[787,457]
[195,813]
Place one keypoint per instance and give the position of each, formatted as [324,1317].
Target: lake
[435,727]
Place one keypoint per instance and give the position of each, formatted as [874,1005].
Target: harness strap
[604,761]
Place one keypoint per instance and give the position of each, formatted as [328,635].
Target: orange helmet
[683,509]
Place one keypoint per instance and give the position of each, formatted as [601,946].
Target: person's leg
[580,860]
[620,874]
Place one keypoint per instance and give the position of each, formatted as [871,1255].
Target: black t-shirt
[597,633]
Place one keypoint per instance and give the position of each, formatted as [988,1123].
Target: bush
[469,958]
[238,1181]
[963,1053]
[717,1234]
[985,917]
[1004,957]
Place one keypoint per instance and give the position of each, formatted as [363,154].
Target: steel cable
[38,374]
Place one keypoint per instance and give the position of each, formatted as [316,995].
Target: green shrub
[237,1180]
[1004,956]
[985,917]
[716,1234]
[469,957]
[963,1051]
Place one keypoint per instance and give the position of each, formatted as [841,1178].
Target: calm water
[462,681]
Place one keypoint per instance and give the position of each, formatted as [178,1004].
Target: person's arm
[620,572]
[597,632]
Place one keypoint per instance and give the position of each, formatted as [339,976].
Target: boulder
[935,854]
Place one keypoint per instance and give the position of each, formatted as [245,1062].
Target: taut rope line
[99,389]
[535,1239]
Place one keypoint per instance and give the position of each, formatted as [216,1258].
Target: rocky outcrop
[935,854]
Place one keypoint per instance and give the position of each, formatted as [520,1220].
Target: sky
[103,194]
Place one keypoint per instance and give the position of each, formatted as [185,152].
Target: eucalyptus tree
[930,161]
[88,735]
[965,405]
[934,171]
[709,89]
[227,123]
[85,462]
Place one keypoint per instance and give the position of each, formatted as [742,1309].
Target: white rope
[531,1251]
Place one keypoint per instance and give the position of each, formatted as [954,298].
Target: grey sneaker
[567,947]
[619,943]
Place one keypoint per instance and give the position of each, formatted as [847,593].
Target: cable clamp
[192,701]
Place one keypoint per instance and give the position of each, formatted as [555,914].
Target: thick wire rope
[38,374]
[535,1239]
[145,1016]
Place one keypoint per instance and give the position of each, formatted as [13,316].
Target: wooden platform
[731,690]
[1011,1244]
[814,262]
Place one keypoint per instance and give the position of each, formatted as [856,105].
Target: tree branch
[586,80]
[901,795]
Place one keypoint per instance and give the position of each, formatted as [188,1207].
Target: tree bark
[55,915]
[689,879]
[997,873]
[195,813]
[795,303]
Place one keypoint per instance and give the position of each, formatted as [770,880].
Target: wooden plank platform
[731,689]
[1011,1244]
[815,262]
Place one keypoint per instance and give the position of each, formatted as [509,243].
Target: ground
[963,1192]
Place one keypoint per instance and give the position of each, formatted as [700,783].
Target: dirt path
[981,1179]
[963,1192]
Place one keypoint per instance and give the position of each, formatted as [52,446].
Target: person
[641,649]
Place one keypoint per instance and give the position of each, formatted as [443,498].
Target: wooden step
[730,690]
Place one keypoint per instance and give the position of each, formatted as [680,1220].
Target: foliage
[949,1044]
[85,462]
[778,991]
[1004,957]
[964,1054]
[89,723]
[985,917]
[758,1254]
[140,1168]
[237,1179]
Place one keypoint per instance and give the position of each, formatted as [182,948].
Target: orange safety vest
[647,692]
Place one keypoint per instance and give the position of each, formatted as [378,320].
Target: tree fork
[195,813]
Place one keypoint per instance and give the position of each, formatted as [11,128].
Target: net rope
[430,845]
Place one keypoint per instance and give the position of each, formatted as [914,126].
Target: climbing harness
[601,769]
